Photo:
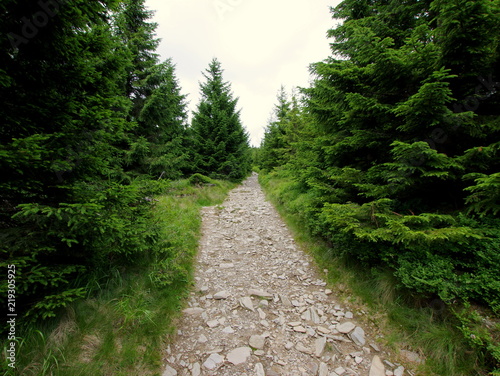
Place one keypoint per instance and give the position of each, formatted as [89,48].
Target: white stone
[213,361]
[260,293]
[377,368]
[239,355]
[247,303]
[169,371]
[202,339]
[358,336]
[319,346]
[323,369]
[221,295]
[300,347]
[196,370]
[193,311]
[259,370]
[262,314]
[300,329]
[228,330]
[399,371]
[289,345]
[349,315]
[346,327]
[257,342]
[340,371]
[213,323]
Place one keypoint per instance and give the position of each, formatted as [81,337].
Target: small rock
[340,371]
[313,368]
[300,347]
[289,345]
[285,301]
[221,295]
[196,370]
[349,315]
[319,346]
[213,323]
[323,330]
[358,336]
[259,370]
[193,311]
[257,342]
[247,303]
[260,293]
[202,339]
[323,369]
[226,266]
[213,361]
[239,355]
[377,368]
[328,292]
[259,353]
[399,371]
[169,371]
[346,327]
[294,323]
[411,356]
[262,314]
[375,347]
[228,330]
[300,329]
[358,359]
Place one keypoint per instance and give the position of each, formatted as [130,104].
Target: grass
[404,321]
[123,328]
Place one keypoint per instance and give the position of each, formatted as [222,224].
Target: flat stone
[169,371]
[221,295]
[226,266]
[193,311]
[285,301]
[300,329]
[257,342]
[247,303]
[377,367]
[375,347]
[319,346]
[328,292]
[323,330]
[202,338]
[349,315]
[399,371]
[300,347]
[358,336]
[239,355]
[262,314]
[213,323]
[294,323]
[346,327]
[323,369]
[228,330]
[196,370]
[260,293]
[411,356]
[340,371]
[213,361]
[289,345]
[259,370]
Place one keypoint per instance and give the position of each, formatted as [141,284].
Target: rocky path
[260,308]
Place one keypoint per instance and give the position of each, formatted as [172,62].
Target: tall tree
[220,143]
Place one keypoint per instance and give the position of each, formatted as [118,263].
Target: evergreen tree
[219,141]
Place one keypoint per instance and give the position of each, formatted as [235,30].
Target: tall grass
[405,321]
[122,327]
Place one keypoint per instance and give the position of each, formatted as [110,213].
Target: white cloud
[262,44]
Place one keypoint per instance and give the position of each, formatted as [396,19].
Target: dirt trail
[260,307]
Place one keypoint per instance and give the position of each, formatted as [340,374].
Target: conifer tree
[219,141]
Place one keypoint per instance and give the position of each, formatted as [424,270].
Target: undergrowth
[452,337]
[122,325]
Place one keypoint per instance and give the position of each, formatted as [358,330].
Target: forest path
[259,306]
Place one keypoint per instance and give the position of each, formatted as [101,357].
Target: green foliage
[220,146]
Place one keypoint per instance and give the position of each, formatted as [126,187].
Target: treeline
[394,151]
[92,124]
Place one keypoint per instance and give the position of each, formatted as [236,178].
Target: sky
[261,45]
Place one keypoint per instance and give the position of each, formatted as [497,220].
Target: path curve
[259,306]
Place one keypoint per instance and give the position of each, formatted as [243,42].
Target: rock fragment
[377,367]
[246,302]
[239,355]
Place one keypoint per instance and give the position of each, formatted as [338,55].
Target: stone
[259,370]
[228,330]
[313,368]
[169,371]
[239,355]
[226,266]
[319,346]
[260,293]
[257,342]
[285,301]
[294,323]
[377,367]
[323,330]
[358,336]
[323,369]
[262,314]
[399,371]
[375,347]
[349,315]
[202,338]
[193,311]
[213,323]
[289,345]
[340,371]
[328,292]
[196,370]
[346,327]
[221,295]
[411,356]
[213,361]
[300,329]
[300,347]
[247,303]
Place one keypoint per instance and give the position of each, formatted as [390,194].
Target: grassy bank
[404,320]
[122,327]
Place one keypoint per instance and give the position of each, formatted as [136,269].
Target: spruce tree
[219,142]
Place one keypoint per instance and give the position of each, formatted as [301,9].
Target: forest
[392,154]
[391,157]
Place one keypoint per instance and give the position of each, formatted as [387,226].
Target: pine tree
[219,141]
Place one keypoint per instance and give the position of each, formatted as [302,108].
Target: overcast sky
[261,44]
